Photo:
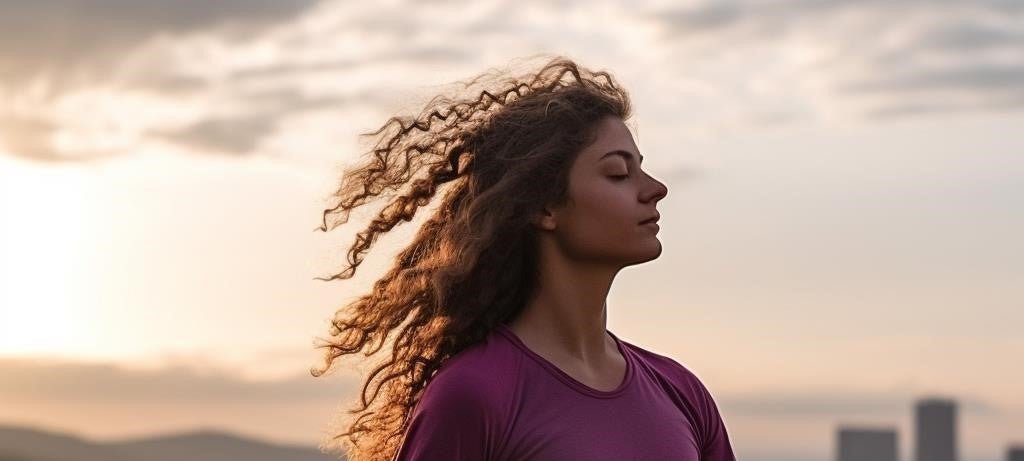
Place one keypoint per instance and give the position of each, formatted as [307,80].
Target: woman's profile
[497,305]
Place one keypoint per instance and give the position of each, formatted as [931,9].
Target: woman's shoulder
[684,382]
[483,372]
[693,398]
[665,365]
[465,407]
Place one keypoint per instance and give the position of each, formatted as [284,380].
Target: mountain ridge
[26,443]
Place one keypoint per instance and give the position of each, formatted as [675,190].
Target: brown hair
[502,154]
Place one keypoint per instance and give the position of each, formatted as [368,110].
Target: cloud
[106,400]
[987,78]
[47,380]
[214,68]
[976,35]
[831,403]
[409,56]
[234,135]
[241,133]
[227,72]
[879,59]
[52,50]
[27,136]
[50,38]
[715,15]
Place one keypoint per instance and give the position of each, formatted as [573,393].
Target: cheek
[608,204]
[603,212]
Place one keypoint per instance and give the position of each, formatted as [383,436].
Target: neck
[567,317]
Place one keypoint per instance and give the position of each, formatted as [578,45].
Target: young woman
[502,351]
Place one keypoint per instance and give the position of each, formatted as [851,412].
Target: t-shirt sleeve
[454,420]
[712,434]
[716,441]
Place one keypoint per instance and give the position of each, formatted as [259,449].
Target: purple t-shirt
[500,401]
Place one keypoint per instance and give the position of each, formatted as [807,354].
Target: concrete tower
[935,421]
[1015,453]
[860,444]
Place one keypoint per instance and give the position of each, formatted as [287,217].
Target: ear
[544,219]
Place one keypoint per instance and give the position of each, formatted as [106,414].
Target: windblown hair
[503,153]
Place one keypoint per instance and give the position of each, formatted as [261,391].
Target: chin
[651,253]
[655,254]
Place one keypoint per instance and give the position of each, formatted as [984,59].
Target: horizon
[849,430]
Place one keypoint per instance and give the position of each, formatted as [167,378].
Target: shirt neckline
[568,379]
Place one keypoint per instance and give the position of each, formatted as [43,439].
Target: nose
[655,191]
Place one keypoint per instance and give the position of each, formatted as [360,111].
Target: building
[935,439]
[864,444]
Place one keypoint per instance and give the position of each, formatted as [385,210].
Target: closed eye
[619,177]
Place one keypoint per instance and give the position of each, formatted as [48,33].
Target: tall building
[862,444]
[935,420]
[1015,453]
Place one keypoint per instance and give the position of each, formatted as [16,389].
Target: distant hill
[31,444]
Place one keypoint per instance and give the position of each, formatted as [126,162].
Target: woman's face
[611,195]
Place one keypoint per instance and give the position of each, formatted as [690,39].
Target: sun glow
[41,262]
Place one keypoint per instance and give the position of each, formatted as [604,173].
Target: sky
[841,232]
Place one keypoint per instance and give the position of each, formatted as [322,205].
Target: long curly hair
[502,151]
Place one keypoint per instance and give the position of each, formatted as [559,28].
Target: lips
[652,219]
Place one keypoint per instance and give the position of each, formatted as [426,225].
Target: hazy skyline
[841,233]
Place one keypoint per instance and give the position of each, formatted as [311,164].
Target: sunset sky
[842,232]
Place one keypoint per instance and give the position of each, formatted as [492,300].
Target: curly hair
[502,154]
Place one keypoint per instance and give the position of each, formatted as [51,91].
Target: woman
[499,301]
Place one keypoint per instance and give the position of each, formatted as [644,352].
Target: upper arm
[714,438]
[717,446]
[454,420]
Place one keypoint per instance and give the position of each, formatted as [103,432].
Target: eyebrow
[624,153]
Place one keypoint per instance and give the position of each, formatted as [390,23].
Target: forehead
[611,133]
